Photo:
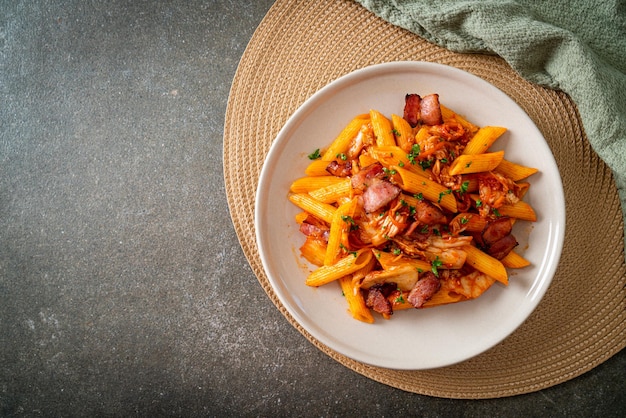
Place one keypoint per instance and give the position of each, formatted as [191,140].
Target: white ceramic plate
[411,339]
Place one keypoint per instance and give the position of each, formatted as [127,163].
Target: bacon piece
[312,226]
[502,247]
[377,298]
[429,214]
[338,169]
[424,289]
[363,178]
[430,110]
[378,194]
[412,112]
[496,230]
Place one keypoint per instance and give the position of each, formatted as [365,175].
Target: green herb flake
[415,151]
[315,155]
[436,263]
[400,298]
[464,187]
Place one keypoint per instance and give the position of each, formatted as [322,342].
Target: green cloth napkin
[577,46]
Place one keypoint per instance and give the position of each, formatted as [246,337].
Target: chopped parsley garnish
[400,298]
[395,132]
[435,265]
[442,194]
[425,164]
[479,203]
[464,187]
[347,219]
[315,155]
[415,152]
[342,156]
[343,247]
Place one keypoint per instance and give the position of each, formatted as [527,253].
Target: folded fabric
[577,46]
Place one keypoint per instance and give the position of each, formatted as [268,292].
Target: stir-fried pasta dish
[411,211]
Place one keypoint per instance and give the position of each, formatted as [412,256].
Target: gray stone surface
[122,286]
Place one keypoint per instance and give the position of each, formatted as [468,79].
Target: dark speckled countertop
[123,289]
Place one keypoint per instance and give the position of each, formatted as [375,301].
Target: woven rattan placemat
[301,46]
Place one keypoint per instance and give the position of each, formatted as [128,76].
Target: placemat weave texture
[300,47]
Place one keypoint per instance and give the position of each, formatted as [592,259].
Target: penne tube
[429,189]
[332,193]
[483,139]
[365,160]
[470,222]
[341,144]
[403,132]
[485,263]
[519,210]
[301,217]
[308,184]
[444,296]
[320,210]
[382,128]
[479,163]
[338,227]
[515,261]
[356,303]
[514,171]
[422,134]
[448,115]
[345,266]
[392,155]
[316,168]
[314,251]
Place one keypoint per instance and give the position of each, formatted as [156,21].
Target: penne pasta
[341,144]
[483,139]
[515,172]
[403,132]
[485,263]
[345,266]
[429,189]
[356,303]
[314,250]
[478,163]
[333,192]
[382,129]
[339,225]
[308,184]
[320,210]
[316,168]
[519,210]
[391,156]
[515,261]
[449,115]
